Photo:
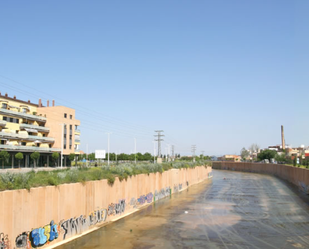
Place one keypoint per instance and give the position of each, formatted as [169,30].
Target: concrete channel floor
[232,210]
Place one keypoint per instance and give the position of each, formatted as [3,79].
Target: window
[23,143]
[71,116]
[24,110]
[65,115]
[64,146]
[70,127]
[70,147]
[65,136]
[4,106]
[70,137]
[5,118]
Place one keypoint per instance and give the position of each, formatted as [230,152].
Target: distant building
[234,158]
[27,127]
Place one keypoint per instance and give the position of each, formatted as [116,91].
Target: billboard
[100,154]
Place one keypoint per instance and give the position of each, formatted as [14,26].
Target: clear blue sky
[217,74]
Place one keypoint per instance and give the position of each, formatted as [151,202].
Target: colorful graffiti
[4,241]
[164,192]
[145,198]
[133,202]
[40,236]
[116,208]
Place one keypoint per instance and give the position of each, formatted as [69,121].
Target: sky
[220,75]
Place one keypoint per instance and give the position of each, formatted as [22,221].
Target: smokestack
[53,102]
[40,103]
[47,103]
[282,138]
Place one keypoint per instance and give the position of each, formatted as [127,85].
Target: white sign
[100,154]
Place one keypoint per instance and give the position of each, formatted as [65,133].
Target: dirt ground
[232,210]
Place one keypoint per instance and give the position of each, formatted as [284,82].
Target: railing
[77,140]
[36,127]
[26,137]
[76,151]
[24,115]
[77,131]
[28,148]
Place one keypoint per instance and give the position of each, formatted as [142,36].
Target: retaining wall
[45,216]
[296,176]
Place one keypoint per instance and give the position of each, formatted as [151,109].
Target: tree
[254,148]
[4,156]
[71,157]
[267,154]
[55,156]
[35,156]
[244,153]
[19,156]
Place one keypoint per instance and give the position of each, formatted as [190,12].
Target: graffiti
[80,224]
[116,208]
[97,216]
[304,187]
[141,200]
[177,188]
[133,202]
[74,226]
[4,241]
[145,198]
[22,241]
[164,192]
[40,236]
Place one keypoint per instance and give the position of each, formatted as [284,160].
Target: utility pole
[108,147]
[135,148]
[173,150]
[87,156]
[154,151]
[62,135]
[202,154]
[159,141]
[193,149]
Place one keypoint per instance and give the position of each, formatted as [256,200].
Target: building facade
[27,127]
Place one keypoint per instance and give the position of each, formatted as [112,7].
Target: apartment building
[28,127]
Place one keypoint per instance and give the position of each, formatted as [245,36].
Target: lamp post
[61,157]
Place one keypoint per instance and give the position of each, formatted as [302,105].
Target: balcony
[2,123]
[77,140]
[41,139]
[35,127]
[28,148]
[25,137]
[22,115]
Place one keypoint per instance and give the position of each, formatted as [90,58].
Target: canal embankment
[46,216]
[296,176]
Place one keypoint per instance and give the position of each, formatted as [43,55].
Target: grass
[32,179]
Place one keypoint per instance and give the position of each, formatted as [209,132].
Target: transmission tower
[159,135]
[193,149]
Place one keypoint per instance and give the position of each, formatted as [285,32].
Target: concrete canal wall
[45,216]
[296,176]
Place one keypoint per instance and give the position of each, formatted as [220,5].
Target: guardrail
[36,127]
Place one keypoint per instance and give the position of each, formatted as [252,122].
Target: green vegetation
[4,156]
[55,156]
[19,156]
[122,171]
[35,156]
[267,154]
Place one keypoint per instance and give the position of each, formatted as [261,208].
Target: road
[232,210]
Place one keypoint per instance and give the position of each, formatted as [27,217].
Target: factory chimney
[282,138]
